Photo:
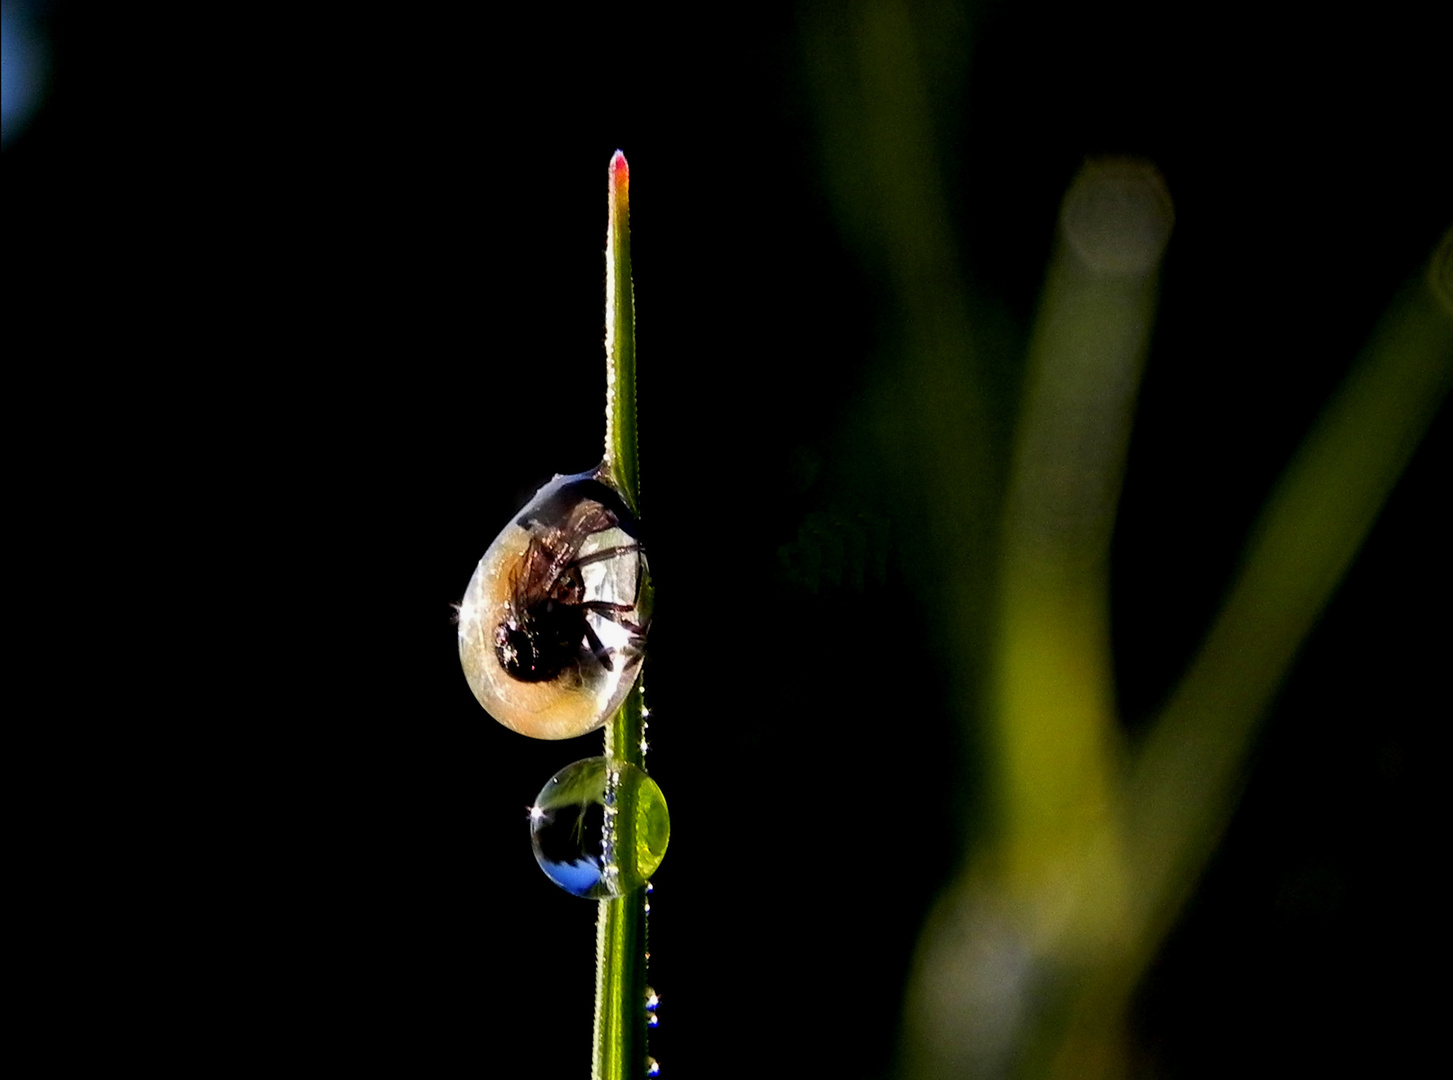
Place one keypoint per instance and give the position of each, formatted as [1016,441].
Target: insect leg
[598,647]
[606,553]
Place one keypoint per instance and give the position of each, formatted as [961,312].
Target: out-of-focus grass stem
[1054,711]
[1187,774]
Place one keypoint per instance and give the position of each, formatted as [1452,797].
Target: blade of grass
[1046,895]
[1055,721]
[620,338]
[1186,774]
[619,1049]
[1185,777]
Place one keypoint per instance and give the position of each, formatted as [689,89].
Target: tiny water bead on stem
[553,625]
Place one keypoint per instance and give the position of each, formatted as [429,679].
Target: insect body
[553,625]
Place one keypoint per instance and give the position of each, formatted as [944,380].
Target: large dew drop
[600,828]
[553,625]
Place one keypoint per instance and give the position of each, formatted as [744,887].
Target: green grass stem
[619,1050]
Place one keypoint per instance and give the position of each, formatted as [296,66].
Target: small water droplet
[652,1020]
[591,849]
[651,1000]
[652,1069]
[553,624]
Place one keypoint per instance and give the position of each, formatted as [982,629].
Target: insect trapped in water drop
[553,625]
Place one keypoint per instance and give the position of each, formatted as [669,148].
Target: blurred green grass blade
[873,71]
[1188,771]
[1054,714]
[1047,894]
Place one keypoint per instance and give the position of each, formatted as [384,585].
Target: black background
[298,312]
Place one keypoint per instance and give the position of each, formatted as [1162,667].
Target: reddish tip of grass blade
[620,172]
